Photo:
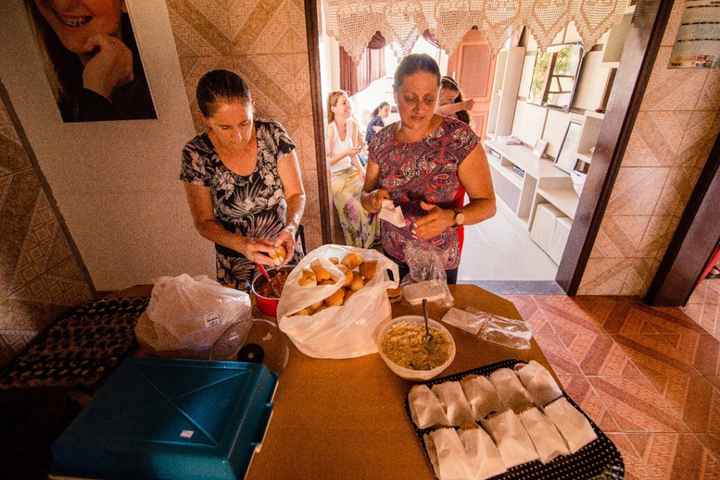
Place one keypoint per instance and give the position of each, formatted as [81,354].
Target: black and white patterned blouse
[253,205]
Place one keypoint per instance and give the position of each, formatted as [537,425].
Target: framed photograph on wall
[567,155]
[77,46]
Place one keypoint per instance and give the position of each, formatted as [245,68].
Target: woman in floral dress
[344,142]
[242,180]
[426,163]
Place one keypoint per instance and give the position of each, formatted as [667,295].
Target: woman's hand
[375,198]
[257,251]
[286,239]
[110,67]
[434,223]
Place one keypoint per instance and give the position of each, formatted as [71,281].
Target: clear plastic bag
[508,332]
[426,278]
[187,314]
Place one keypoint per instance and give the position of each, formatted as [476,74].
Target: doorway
[540,99]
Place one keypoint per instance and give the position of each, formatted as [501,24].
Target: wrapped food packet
[482,454]
[545,436]
[508,332]
[454,403]
[425,408]
[447,454]
[539,383]
[511,438]
[510,391]
[573,425]
[481,395]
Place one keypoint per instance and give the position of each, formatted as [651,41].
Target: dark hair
[376,112]
[450,84]
[415,62]
[220,84]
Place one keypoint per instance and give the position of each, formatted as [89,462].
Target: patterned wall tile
[640,273]
[672,89]
[703,129]
[671,29]
[620,236]
[12,155]
[284,32]
[19,202]
[677,190]
[636,191]
[7,129]
[710,98]
[655,140]
[657,236]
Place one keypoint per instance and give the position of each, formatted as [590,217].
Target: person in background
[242,180]
[92,60]
[451,100]
[344,143]
[426,163]
[377,122]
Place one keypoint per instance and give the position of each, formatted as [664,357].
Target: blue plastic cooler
[170,419]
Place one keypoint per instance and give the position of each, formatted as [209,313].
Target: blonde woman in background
[344,142]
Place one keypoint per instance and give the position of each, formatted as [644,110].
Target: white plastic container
[407,373]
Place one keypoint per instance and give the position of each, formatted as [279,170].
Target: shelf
[564,199]
[594,114]
[507,172]
[612,64]
[585,156]
[522,156]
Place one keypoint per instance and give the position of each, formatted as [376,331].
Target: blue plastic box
[170,419]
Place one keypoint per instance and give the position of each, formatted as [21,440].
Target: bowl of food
[402,346]
[265,298]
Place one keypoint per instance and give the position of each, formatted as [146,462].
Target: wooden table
[346,420]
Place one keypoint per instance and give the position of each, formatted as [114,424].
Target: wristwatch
[459,216]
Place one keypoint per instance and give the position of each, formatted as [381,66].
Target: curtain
[356,77]
[354,23]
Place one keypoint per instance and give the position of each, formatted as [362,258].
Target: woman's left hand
[434,223]
[286,238]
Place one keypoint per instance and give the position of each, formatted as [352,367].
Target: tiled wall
[704,306]
[678,121]
[265,42]
[39,275]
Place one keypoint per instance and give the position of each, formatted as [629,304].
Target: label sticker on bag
[212,320]
[187,433]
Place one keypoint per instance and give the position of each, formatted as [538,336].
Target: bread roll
[304,311]
[352,261]
[334,260]
[336,299]
[307,278]
[315,307]
[394,294]
[278,255]
[348,293]
[367,270]
[348,275]
[320,272]
[357,282]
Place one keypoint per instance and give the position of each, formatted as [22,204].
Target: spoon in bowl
[427,339]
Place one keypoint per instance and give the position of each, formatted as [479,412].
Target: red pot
[267,305]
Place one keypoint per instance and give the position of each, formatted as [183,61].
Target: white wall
[116,183]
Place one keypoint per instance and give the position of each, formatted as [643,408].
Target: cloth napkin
[425,408]
[510,391]
[548,442]
[483,457]
[511,438]
[456,407]
[539,383]
[573,425]
[481,395]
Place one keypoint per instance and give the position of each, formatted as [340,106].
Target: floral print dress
[426,170]
[252,205]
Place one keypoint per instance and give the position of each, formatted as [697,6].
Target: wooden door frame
[641,48]
[694,241]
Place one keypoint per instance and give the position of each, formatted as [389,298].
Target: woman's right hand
[376,198]
[110,67]
[257,251]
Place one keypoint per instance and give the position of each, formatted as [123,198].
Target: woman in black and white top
[242,180]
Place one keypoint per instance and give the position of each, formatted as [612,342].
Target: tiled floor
[650,378]
[501,249]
